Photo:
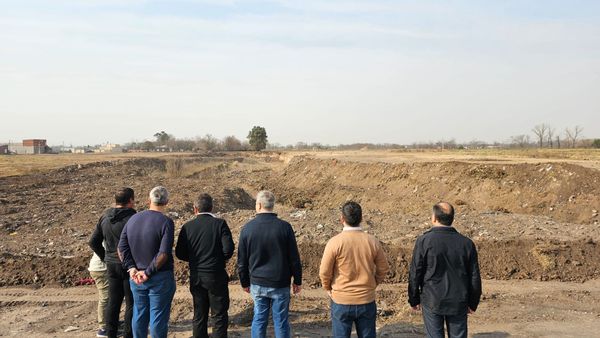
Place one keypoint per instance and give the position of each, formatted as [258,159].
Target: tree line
[163,141]
[546,135]
[543,136]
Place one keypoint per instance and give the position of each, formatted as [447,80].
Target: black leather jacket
[444,273]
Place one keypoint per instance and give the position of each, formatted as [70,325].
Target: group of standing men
[137,250]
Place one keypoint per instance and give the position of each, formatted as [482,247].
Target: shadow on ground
[495,334]
[318,329]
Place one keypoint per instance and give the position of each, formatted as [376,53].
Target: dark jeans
[363,316]
[118,288]
[210,291]
[434,324]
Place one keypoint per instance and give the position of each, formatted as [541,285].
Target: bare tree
[520,141]
[477,144]
[550,134]
[576,134]
[231,143]
[207,143]
[573,134]
[540,132]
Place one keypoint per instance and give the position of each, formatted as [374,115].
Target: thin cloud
[384,69]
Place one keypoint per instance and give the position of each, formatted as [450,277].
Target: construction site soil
[535,225]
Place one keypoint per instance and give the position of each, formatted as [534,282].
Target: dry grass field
[14,165]
[26,164]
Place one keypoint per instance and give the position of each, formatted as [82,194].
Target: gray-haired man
[146,247]
[267,259]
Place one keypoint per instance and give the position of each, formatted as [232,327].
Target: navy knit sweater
[268,254]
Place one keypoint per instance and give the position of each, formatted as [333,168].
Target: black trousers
[118,288]
[210,291]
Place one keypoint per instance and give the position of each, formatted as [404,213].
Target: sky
[337,71]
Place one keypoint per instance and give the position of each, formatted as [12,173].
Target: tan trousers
[102,285]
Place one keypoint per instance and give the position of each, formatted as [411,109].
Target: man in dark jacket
[267,259]
[108,230]
[205,242]
[444,280]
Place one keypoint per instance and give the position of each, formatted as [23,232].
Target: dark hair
[204,203]
[444,213]
[352,213]
[124,195]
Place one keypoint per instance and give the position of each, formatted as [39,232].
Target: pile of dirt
[563,191]
[516,259]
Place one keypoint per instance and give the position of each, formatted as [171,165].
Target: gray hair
[266,199]
[159,195]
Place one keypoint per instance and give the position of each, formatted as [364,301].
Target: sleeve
[294,256]
[475,280]
[96,240]
[168,237]
[226,241]
[416,274]
[381,265]
[125,250]
[165,249]
[181,250]
[242,261]
[327,265]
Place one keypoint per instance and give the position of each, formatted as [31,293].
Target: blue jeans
[266,298]
[434,324]
[363,316]
[152,305]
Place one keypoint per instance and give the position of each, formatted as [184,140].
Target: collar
[349,228]
[443,228]
[206,213]
[266,214]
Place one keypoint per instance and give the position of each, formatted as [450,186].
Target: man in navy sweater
[268,258]
[146,247]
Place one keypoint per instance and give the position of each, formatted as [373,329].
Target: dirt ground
[510,308]
[533,216]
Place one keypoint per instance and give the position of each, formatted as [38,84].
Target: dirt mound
[237,198]
[41,270]
[516,259]
[564,261]
[563,191]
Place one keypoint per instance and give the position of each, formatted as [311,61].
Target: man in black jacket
[444,280]
[108,230]
[205,242]
[267,259]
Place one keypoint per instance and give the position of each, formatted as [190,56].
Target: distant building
[3,149]
[109,148]
[82,150]
[30,146]
[162,149]
[62,149]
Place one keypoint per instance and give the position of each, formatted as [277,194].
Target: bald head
[443,213]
